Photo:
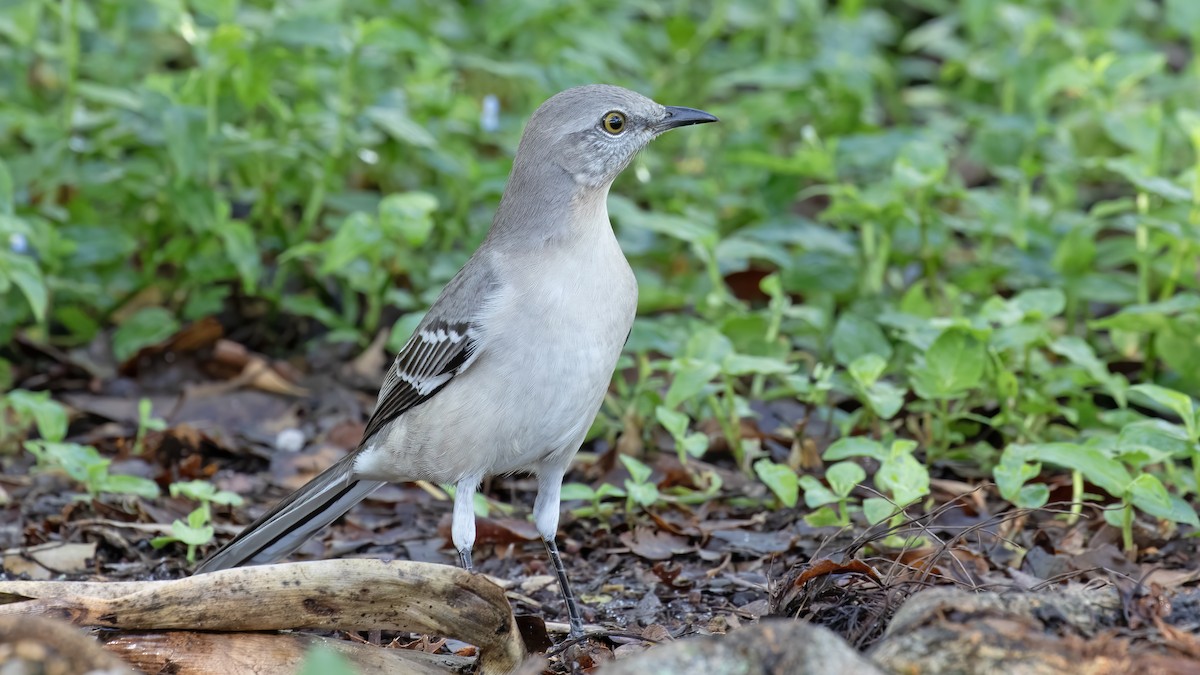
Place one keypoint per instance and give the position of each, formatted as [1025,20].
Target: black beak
[681,117]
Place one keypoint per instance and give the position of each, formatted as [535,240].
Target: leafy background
[928,238]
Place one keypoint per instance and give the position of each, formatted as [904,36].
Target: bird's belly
[528,399]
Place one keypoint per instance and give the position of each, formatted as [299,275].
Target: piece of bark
[354,594]
[191,653]
[769,647]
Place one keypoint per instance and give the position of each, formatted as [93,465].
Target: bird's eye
[614,122]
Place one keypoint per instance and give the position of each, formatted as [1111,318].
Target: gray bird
[509,367]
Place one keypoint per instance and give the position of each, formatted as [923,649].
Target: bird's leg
[573,615]
[462,529]
[545,513]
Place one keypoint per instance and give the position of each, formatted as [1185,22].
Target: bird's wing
[444,344]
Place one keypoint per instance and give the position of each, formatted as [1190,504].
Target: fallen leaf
[655,544]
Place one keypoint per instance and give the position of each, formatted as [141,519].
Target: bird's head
[592,132]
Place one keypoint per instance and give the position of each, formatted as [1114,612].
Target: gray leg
[568,597]
[545,514]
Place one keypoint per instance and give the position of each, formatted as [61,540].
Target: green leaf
[855,446]
[24,273]
[394,123]
[867,368]
[781,479]
[953,365]
[855,336]
[823,517]
[1012,473]
[1040,303]
[742,364]
[147,326]
[843,477]
[642,494]
[127,485]
[815,492]
[1153,441]
[577,492]
[7,201]
[690,378]
[241,249]
[675,422]
[877,509]
[1097,467]
[904,478]
[920,165]
[639,472]
[1151,496]
[1175,401]
[49,416]
[408,216]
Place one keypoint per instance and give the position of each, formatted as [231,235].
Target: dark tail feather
[299,516]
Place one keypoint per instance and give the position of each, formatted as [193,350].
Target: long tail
[299,516]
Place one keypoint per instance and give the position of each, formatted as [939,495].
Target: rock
[944,630]
[769,647]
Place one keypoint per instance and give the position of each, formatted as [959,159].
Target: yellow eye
[614,122]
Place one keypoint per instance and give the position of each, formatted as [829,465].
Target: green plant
[146,422]
[197,530]
[900,476]
[842,477]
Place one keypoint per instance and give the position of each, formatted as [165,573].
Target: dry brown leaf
[47,560]
[654,544]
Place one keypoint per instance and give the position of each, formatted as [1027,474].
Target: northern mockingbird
[509,367]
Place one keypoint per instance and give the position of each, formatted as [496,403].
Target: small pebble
[290,440]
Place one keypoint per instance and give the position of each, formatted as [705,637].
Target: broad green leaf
[642,494]
[815,493]
[1154,440]
[638,471]
[576,492]
[689,378]
[675,422]
[128,485]
[920,165]
[954,363]
[742,364]
[1149,495]
[855,446]
[1011,475]
[824,516]
[885,399]
[242,250]
[49,415]
[1097,467]
[147,326]
[844,477]
[1040,303]
[400,127]
[867,368]
[781,479]
[6,191]
[904,478]
[24,273]
[408,216]
[877,509]
[855,336]
[1175,401]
